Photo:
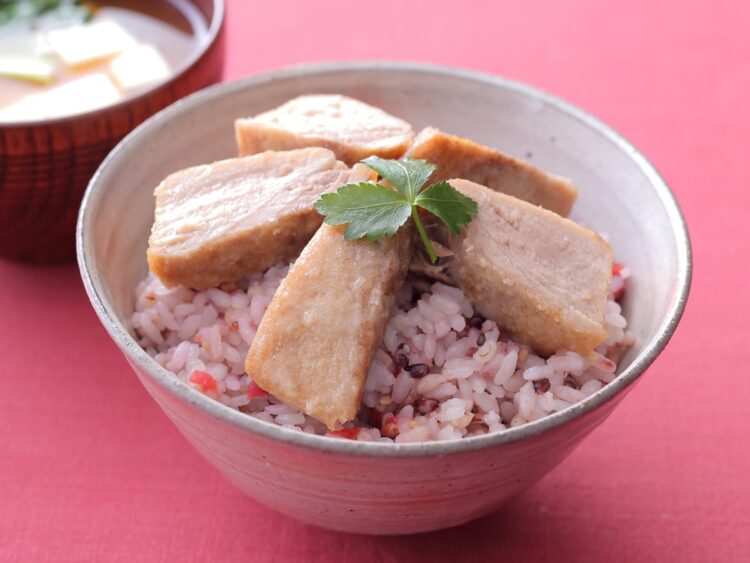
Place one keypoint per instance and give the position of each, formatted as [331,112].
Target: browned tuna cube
[315,343]
[457,157]
[218,222]
[352,129]
[540,276]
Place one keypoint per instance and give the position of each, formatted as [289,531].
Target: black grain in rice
[418,370]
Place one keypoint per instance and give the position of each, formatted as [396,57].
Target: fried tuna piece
[315,343]
[457,157]
[540,276]
[218,222]
[352,129]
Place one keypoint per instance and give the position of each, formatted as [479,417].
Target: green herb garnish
[374,211]
[26,11]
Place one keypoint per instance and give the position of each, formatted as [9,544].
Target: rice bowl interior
[649,320]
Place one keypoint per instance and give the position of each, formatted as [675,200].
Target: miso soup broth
[82,56]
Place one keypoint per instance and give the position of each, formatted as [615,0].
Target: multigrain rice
[442,373]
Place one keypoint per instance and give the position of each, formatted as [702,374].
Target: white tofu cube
[91,92]
[28,68]
[139,66]
[83,44]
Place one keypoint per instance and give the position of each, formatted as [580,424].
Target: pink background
[91,470]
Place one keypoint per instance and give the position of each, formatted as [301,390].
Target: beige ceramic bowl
[382,488]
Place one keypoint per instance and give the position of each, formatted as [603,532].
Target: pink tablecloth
[91,470]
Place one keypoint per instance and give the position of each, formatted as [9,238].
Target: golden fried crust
[457,157]
[238,254]
[540,276]
[315,343]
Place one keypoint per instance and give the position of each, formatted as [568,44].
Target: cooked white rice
[473,380]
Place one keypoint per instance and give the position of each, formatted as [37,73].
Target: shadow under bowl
[46,165]
[383,488]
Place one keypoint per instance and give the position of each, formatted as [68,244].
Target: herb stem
[423,234]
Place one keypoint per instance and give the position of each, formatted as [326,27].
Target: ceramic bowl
[46,165]
[384,488]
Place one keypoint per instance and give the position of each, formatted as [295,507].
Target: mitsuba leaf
[407,175]
[369,210]
[448,204]
[375,211]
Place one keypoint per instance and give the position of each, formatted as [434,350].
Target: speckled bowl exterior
[45,166]
[382,488]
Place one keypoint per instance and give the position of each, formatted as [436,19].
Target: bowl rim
[213,29]
[186,394]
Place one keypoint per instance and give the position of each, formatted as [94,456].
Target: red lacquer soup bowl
[45,165]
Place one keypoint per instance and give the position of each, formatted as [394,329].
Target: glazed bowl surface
[45,165]
[385,488]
